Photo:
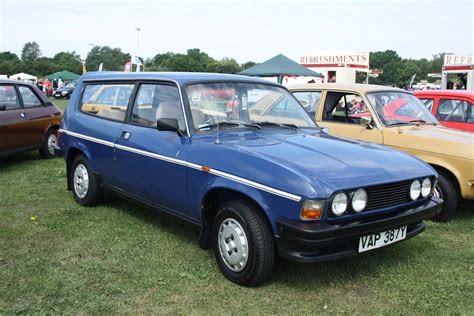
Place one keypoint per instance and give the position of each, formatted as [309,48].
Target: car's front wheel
[85,186]
[446,190]
[243,243]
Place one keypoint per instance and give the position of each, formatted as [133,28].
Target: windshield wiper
[418,121]
[267,123]
[227,123]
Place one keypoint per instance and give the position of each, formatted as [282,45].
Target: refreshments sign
[329,59]
[458,60]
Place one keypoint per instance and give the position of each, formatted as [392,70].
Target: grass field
[56,256]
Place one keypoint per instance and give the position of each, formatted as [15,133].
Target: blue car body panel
[278,168]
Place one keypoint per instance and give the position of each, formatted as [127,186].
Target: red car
[452,108]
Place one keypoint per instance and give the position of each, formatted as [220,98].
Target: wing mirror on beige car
[366,121]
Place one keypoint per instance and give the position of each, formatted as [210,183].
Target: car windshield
[397,108]
[234,105]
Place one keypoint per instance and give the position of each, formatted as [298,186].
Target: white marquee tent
[23,76]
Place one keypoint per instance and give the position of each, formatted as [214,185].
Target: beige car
[396,118]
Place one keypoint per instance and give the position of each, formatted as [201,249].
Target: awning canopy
[63,75]
[279,66]
[23,76]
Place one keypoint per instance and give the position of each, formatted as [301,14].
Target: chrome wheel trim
[81,181]
[233,245]
[437,192]
[52,142]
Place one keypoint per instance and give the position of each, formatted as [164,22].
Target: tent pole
[280,79]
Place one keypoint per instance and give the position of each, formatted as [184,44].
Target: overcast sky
[244,30]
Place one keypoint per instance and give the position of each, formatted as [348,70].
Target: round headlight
[359,200]
[415,190]
[426,187]
[339,204]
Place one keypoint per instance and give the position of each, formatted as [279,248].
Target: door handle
[22,114]
[125,135]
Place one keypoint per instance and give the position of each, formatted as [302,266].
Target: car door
[13,121]
[150,164]
[455,113]
[341,113]
[102,122]
[35,111]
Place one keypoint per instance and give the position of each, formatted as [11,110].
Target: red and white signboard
[458,60]
[336,60]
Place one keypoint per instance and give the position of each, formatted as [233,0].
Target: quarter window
[107,100]
[428,103]
[453,110]
[8,97]
[155,101]
[30,100]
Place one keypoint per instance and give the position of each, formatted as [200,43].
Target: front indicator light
[415,190]
[312,210]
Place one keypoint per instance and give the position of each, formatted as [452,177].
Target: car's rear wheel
[50,141]
[85,186]
[446,190]
[243,243]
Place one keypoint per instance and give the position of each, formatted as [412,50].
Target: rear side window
[309,100]
[9,98]
[453,110]
[106,100]
[30,100]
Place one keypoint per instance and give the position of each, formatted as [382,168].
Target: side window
[428,103]
[9,98]
[107,100]
[453,110]
[345,108]
[309,100]
[155,101]
[30,100]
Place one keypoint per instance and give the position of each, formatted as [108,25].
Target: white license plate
[382,239]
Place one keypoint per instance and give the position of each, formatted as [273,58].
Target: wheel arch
[210,204]
[71,155]
[450,174]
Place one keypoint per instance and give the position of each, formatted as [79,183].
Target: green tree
[30,52]
[68,61]
[389,62]
[9,63]
[225,65]
[247,65]
[113,59]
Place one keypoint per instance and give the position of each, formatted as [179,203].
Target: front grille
[387,195]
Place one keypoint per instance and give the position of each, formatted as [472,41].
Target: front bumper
[321,241]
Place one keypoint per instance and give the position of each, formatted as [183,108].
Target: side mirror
[366,121]
[168,124]
[3,107]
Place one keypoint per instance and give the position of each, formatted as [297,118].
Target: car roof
[11,81]
[451,93]
[180,77]
[362,88]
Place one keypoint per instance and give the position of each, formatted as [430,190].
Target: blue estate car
[239,158]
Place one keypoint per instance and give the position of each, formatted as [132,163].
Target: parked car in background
[64,92]
[28,120]
[396,118]
[247,166]
[452,108]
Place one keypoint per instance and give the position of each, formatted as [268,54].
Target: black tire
[449,194]
[260,244]
[45,150]
[93,194]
